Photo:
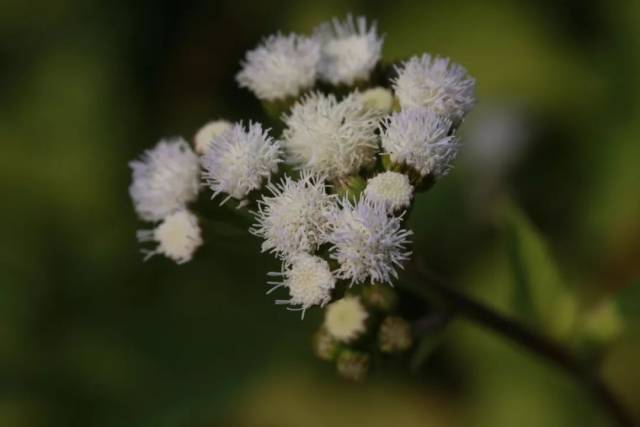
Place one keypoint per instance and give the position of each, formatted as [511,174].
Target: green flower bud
[380,297]
[378,99]
[353,365]
[394,335]
[325,347]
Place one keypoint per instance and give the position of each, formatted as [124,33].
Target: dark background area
[549,180]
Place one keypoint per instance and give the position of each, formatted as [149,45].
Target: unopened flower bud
[394,335]
[392,189]
[325,346]
[353,365]
[378,99]
[380,297]
[207,133]
[345,319]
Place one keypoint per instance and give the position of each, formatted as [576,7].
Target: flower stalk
[512,330]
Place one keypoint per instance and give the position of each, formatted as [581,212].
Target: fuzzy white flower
[330,137]
[420,138]
[295,217]
[165,179]
[367,242]
[206,133]
[392,189]
[378,99]
[280,67]
[178,236]
[240,160]
[436,83]
[309,281]
[350,51]
[345,319]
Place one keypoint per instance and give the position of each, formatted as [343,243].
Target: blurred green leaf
[628,300]
[425,348]
[540,295]
[522,300]
[430,330]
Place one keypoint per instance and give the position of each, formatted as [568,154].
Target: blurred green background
[540,219]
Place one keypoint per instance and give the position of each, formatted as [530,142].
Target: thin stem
[531,341]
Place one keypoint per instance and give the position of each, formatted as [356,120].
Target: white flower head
[345,319]
[309,281]
[206,133]
[280,67]
[240,160]
[294,218]
[378,99]
[165,179]
[421,139]
[436,83]
[392,189]
[350,50]
[330,137]
[368,243]
[178,236]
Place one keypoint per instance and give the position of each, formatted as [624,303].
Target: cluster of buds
[360,326]
[330,193]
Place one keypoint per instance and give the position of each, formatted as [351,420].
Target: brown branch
[543,347]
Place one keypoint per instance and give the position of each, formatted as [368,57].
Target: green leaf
[425,348]
[540,295]
[628,301]
[522,299]
[429,338]
[624,312]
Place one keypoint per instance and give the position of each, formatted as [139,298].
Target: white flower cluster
[165,179]
[330,137]
[420,138]
[239,159]
[281,67]
[177,236]
[434,95]
[366,240]
[369,244]
[309,281]
[340,52]
[355,162]
[435,83]
[350,51]
[295,217]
